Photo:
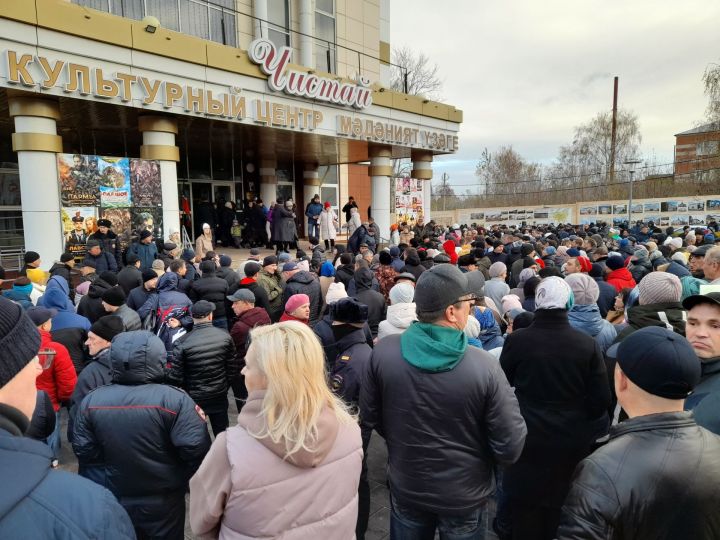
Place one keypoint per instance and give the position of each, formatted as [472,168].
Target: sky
[526,72]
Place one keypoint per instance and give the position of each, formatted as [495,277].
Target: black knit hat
[148,275]
[109,277]
[65,257]
[108,327]
[19,340]
[114,296]
[31,256]
[251,269]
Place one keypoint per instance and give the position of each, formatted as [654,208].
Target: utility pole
[613,138]
[445,178]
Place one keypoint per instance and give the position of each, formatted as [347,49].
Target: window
[325,35]
[707,148]
[279,22]
[212,19]
[11,221]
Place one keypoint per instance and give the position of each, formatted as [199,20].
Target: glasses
[471,298]
[46,357]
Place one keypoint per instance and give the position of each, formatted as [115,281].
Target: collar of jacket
[711,366]
[669,420]
[12,420]
[198,325]
[247,280]
[550,318]
[103,357]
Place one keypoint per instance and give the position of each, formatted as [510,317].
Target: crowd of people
[569,373]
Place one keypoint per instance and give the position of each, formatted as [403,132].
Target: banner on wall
[126,191]
[408,200]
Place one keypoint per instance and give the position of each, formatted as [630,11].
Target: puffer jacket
[130,318]
[90,305]
[587,318]
[398,318]
[18,297]
[244,480]
[213,289]
[39,501]
[141,439]
[97,373]
[656,478]
[374,300]
[639,269]
[169,303]
[60,378]
[203,362]
[441,461]
[305,283]
[620,279]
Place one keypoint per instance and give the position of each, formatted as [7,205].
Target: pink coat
[245,490]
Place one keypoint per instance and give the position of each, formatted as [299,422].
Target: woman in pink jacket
[291,466]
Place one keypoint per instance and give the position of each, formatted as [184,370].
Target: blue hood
[168,282]
[58,286]
[586,318]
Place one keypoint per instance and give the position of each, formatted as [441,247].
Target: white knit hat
[335,292]
[552,293]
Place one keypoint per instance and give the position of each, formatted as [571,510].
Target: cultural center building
[228,100]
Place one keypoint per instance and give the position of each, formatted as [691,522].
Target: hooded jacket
[245,322]
[398,318]
[203,362]
[449,248]
[169,303]
[58,283]
[656,478]
[374,300]
[90,305]
[705,399]
[587,318]
[64,271]
[344,274]
[143,439]
[97,373]
[38,501]
[68,328]
[245,480]
[19,297]
[669,315]
[620,279]
[303,282]
[413,266]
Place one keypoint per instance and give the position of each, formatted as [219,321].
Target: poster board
[408,200]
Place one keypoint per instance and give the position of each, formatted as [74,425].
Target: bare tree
[711,80]
[422,76]
[505,175]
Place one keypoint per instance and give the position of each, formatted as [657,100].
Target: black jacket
[103,262]
[138,296]
[305,283]
[412,265]
[671,313]
[344,274]
[251,284]
[656,478]
[38,501]
[140,439]
[110,245]
[561,384]
[74,341]
[97,373]
[90,305]
[203,362]
[348,368]
[42,423]
[445,431]
[374,300]
[228,274]
[129,278]
[606,300]
[323,330]
[213,289]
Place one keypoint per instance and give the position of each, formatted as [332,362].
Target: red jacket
[620,279]
[449,247]
[59,380]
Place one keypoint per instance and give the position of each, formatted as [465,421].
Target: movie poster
[145,182]
[78,223]
[148,218]
[79,180]
[121,224]
[408,200]
[114,182]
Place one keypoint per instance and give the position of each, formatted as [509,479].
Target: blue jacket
[587,319]
[39,502]
[18,297]
[705,399]
[57,283]
[141,439]
[65,318]
[103,262]
[313,210]
[147,253]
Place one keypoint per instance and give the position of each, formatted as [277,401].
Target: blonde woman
[291,466]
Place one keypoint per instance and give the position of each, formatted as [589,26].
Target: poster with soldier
[121,220]
[78,223]
[145,182]
[79,180]
[149,218]
[114,181]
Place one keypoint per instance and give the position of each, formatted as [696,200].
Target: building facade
[230,99]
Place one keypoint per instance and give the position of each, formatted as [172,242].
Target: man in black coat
[103,260]
[64,268]
[658,474]
[561,384]
[144,439]
[213,289]
[301,282]
[139,295]
[204,364]
[90,305]
[346,270]
[374,300]
[108,240]
[226,272]
[441,458]
[130,276]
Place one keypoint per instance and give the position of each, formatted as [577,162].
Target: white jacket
[399,317]
[327,225]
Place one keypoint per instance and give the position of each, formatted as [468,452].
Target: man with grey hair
[441,458]
[711,265]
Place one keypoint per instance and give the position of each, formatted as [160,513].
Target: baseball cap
[697,299]
[242,295]
[660,362]
[289,267]
[40,315]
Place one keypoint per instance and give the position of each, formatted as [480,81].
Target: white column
[159,144]
[422,171]
[261,16]
[307,17]
[380,171]
[36,142]
[268,181]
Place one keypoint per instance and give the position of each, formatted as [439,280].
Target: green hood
[431,347]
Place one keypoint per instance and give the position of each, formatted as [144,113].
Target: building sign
[274,63]
[391,133]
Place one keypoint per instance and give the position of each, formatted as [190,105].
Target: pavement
[379,524]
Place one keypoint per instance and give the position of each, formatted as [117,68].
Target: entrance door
[206,197]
